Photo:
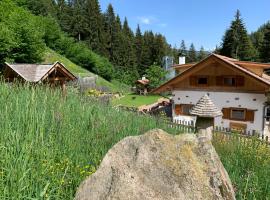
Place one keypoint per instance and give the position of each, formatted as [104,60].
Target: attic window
[229,81]
[202,81]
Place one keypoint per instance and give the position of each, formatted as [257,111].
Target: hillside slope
[52,56]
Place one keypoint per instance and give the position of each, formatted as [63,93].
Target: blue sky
[202,22]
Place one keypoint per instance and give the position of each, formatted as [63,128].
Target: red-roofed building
[239,88]
[142,86]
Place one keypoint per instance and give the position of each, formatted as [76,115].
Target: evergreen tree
[129,53]
[109,30]
[94,30]
[77,24]
[67,16]
[182,49]
[138,49]
[236,42]
[265,47]
[192,55]
[202,54]
[159,48]
[147,49]
[118,50]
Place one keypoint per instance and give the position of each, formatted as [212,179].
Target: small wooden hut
[206,111]
[142,86]
[55,74]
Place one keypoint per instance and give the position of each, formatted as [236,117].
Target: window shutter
[240,81]
[226,113]
[219,80]
[250,115]
[177,110]
[211,80]
[193,80]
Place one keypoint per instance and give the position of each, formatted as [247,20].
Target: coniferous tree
[66,14]
[129,53]
[109,30]
[147,53]
[182,49]
[77,25]
[159,48]
[236,42]
[265,47]
[202,54]
[138,49]
[118,48]
[94,30]
[192,55]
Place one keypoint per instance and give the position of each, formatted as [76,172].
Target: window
[202,81]
[238,114]
[182,109]
[199,80]
[186,108]
[229,81]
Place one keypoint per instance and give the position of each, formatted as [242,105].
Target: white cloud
[145,20]
[151,20]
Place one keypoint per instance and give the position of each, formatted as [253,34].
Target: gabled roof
[205,108]
[36,72]
[143,81]
[229,61]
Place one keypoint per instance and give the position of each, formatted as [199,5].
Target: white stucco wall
[225,100]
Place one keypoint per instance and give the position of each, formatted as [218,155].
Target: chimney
[143,78]
[182,60]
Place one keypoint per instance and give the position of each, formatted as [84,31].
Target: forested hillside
[79,27]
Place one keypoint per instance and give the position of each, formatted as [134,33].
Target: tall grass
[49,144]
[248,164]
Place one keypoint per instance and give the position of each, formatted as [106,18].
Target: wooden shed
[55,74]
[142,86]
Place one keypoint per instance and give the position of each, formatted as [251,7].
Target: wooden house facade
[239,88]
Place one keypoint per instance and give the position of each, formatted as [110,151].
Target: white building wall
[224,100]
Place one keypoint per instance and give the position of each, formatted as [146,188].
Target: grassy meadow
[247,162]
[49,144]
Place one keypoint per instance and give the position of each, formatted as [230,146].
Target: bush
[77,52]
[21,36]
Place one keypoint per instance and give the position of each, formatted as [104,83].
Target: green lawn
[132,100]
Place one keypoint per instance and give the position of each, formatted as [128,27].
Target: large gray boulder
[159,166]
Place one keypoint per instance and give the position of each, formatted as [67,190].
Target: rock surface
[159,166]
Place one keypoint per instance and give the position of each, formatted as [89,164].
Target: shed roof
[35,72]
[143,81]
[205,108]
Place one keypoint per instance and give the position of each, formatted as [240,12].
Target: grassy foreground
[248,164]
[49,144]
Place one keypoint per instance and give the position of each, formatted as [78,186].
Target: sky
[202,22]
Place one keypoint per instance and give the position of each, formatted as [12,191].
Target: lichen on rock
[159,166]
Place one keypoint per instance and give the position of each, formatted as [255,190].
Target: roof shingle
[205,108]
